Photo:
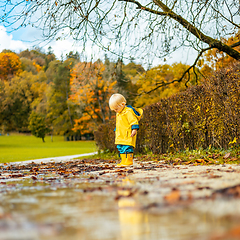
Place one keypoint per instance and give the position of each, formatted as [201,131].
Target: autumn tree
[10,65]
[115,72]
[145,29]
[163,74]
[29,65]
[214,59]
[132,72]
[38,58]
[90,91]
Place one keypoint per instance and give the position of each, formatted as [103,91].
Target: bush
[104,137]
[198,117]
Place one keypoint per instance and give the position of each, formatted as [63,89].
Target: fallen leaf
[173,197]
[227,155]
[200,160]
[214,176]
[232,234]
[233,191]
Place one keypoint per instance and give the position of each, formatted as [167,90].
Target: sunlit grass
[17,147]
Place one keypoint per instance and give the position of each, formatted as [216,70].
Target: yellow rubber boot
[123,159]
[129,159]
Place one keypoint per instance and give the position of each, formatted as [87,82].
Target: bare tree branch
[190,27]
[187,71]
[235,44]
[230,21]
[145,29]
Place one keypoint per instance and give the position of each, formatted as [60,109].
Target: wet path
[94,200]
[56,159]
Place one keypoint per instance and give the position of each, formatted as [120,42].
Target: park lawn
[18,147]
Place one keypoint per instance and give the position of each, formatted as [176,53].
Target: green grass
[18,147]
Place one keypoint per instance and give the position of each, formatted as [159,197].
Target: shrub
[198,117]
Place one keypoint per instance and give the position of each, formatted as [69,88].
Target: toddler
[127,125]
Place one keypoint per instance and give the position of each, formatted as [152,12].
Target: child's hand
[134,132]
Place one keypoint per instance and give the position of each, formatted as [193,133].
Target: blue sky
[28,37]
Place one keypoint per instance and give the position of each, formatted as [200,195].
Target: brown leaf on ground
[233,191]
[200,161]
[177,160]
[214,176]
[227,155]
[232,234]
[173,197]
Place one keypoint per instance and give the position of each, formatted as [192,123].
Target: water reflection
[78,213]
[134,223]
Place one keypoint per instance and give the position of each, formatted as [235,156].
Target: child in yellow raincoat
[127,119]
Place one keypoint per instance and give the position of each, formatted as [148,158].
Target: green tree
[73,55]
[60,111]
[18,96]
[37,125]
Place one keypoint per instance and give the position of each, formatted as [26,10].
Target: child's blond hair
[116,100]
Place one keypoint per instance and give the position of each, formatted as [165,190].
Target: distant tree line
[44,95]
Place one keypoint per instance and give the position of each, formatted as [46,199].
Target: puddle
[92,211]
[96,201]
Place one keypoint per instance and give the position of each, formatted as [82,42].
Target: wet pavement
[94,200]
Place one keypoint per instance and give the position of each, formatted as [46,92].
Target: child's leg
[126,154]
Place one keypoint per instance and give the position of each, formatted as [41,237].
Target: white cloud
[7,41]
[60,48]
[63,47]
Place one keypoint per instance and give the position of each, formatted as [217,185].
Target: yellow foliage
[37,66]
[214,59]
[157,76]
[10,65]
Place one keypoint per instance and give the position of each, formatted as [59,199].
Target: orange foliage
[215,60]
[10,65]
[37,66]
[91,92]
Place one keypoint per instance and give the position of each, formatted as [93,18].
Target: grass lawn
[18,147]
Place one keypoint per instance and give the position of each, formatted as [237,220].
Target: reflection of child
[127,119]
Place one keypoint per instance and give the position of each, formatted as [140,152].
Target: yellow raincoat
[126,121]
